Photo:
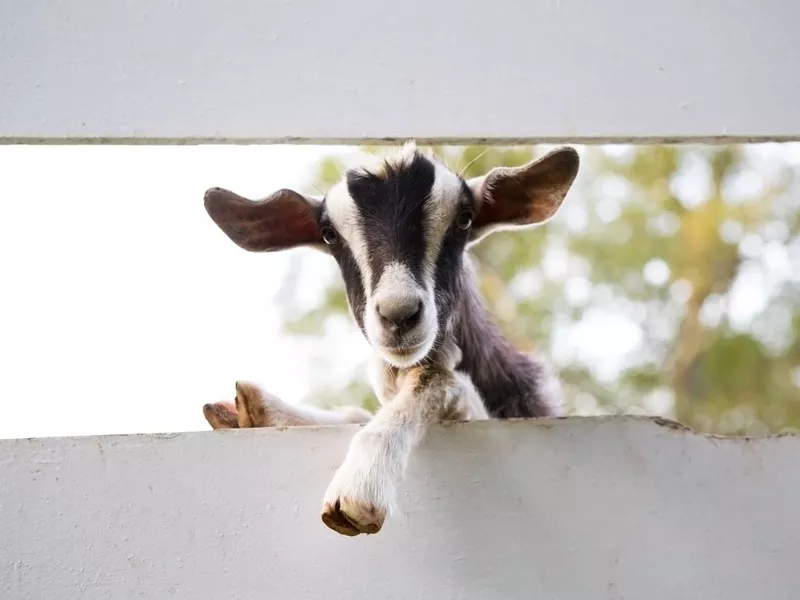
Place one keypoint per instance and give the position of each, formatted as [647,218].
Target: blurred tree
[667,284]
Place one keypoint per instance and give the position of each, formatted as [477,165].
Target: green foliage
[671,243]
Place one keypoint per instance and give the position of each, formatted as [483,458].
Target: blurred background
[668,284]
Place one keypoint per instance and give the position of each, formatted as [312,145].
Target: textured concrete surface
[566,70]
[565,509]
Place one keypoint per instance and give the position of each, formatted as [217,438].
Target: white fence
[279,70]
[565,509]
[570,509]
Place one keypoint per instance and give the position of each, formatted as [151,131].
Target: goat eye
[329,235]
[464,220]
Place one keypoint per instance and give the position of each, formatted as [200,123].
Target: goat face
[398,229]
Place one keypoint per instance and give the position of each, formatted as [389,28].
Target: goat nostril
[413,318]
[400,314]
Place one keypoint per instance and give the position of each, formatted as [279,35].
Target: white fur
[378,454]
[344,215]
[397,281]
[551,390]
[282,414]
[376,461]
[406,155]
[376,165]
[440,210]
[471,401]
[363,488]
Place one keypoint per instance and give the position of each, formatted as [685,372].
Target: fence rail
[561,509]
[574,508]
[100,71]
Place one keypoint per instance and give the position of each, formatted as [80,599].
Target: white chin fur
[405,361]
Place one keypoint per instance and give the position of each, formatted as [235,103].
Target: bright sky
[124,309]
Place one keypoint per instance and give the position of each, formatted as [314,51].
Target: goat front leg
[255,407]
[362,491]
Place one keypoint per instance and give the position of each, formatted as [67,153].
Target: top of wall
[555,508]
[110,71]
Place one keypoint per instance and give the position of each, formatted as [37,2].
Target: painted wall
[566,509]
[567,70]
[570,509]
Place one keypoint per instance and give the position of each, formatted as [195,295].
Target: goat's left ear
[512,197]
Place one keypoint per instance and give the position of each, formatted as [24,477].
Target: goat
[399,230]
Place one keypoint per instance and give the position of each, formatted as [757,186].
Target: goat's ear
[281,221]
[513,197]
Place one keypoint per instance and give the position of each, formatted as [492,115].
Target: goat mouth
[403,350]
[404,356]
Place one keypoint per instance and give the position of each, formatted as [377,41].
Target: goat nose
[402,312]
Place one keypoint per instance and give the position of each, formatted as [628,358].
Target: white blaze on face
[343,213]
[396,280]
[440,211]
[397,283]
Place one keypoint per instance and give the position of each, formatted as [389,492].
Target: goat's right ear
[281,221]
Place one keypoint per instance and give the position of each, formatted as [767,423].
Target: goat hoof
[352,518]
[221,415]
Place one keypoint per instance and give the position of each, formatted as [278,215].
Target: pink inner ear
[283,220]
[528,194]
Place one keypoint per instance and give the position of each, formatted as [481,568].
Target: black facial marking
[351,275]
[392,210]
[447,276]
